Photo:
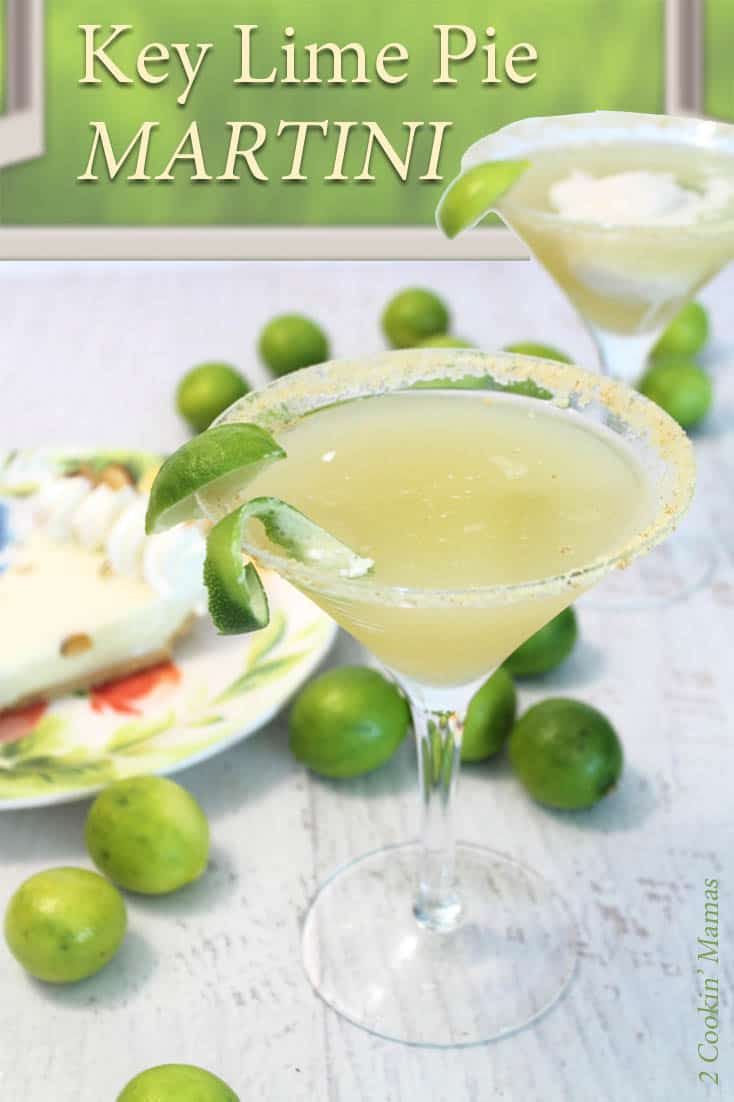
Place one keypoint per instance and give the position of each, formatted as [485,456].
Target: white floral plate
[216,691]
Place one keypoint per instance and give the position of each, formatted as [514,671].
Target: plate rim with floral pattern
[216,691]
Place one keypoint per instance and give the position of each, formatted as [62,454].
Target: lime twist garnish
[473,194]
[217,465]
[237,599]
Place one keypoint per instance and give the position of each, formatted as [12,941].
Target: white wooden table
[212,976]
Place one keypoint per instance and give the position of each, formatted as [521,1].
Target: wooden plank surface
[212,976]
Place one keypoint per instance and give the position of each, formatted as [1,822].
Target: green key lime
[148,834]
[542,351]
[489,718]
[414,316]
[177,1083]
[206,391]
[473,194]
[526,387]
[463,382]
[443,340]
[290,342]
[567,754]
[680,387]
[546,649]
[348,722]
[65,924]
[687,333]
[237,600]
[220,460]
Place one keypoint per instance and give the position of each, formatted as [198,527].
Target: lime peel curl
[238,602]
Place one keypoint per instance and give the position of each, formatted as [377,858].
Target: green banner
[588,57]
[719,66]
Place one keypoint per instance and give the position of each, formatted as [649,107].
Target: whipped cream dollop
[101,519]
[638,198]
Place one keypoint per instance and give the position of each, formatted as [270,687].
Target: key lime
[546,649]
[471,196]
[444,340]
[687,333]
[148,834]
[542,351]
[680,387]
[527,387]
[290,342]
[489,717]
[177,1083]
[220,461]
[65,924]
[467,382]
[566,753]
[206,391]
[413,316]
[347,722]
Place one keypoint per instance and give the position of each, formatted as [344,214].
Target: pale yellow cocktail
[633,278]
[457,488]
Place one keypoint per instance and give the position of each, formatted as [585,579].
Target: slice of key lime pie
[86,596]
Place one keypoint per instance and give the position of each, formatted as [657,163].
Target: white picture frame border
[22,126]
[21,137]
[684,57]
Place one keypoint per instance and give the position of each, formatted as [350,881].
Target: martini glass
[626,278]
[486,512]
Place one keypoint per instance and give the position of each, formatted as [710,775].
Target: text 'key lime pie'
[86,596]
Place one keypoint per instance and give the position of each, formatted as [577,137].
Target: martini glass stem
[438,735]
[624,357]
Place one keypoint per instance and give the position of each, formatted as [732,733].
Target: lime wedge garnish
[235,453]
[237,599]
[473,194]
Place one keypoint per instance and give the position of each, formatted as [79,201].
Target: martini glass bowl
[627,281]
[435,943]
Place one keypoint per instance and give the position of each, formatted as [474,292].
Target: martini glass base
[509,959]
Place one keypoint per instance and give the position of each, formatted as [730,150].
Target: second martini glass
[628,254]
[486,513]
